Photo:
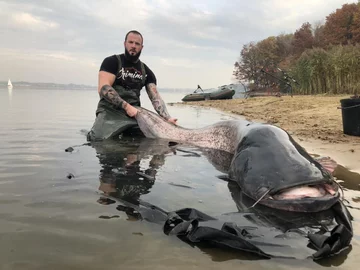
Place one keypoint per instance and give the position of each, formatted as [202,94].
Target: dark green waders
[110,124]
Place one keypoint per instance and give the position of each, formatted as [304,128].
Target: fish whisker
[266,193]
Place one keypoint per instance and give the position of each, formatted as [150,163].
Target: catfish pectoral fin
[225,177]
[328,163]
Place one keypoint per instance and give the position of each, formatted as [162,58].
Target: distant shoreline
[58,86]
[49,86]
[22,84]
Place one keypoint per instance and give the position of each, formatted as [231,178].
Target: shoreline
[314,121]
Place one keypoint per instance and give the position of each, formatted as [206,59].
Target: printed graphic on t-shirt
[130,73]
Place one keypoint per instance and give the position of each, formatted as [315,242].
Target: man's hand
[172,120]
[130,110]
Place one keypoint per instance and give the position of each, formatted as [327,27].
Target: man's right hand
[131,110]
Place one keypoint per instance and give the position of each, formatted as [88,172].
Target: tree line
[319,58]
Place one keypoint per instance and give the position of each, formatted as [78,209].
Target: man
[198,88]
[121,78]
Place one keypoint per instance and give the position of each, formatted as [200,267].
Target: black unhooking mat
[266,232]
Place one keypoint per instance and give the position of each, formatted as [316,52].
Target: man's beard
[132,58]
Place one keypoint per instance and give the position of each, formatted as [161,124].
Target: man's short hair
[136,33]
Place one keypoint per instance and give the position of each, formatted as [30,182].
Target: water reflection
[350,180]
[129,167]
[10,93]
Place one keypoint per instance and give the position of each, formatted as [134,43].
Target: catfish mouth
[304,198]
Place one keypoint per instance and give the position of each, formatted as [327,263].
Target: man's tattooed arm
[110,95]
[156,100]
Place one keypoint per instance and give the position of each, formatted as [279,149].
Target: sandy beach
[315,121]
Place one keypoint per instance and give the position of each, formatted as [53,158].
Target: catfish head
[272,169]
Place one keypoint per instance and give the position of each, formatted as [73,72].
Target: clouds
[186,42]
[27,21]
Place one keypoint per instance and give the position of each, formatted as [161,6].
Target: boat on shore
[220,93]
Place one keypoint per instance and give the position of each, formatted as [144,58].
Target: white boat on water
[10,84]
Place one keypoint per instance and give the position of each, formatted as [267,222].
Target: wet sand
[314,121]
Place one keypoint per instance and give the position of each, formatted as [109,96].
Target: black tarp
[265,232]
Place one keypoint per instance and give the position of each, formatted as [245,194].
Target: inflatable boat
[222,93]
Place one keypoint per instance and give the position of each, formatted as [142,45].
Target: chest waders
[110,122]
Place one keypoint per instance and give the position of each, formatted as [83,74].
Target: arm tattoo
[156,100]
[110,95]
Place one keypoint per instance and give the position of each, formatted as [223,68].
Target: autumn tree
[323,58]
[248,64]
[254,58]
[339,26]
[303,39]
[355,27]
[284,46]
[319,36]
[268,52]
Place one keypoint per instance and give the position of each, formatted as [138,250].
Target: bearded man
[121,78]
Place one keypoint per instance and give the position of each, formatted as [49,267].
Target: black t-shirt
[130,75]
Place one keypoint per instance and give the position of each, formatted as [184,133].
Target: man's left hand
[172,120]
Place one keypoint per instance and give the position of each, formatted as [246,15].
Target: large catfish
[268,165]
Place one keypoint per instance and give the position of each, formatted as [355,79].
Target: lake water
[59,210]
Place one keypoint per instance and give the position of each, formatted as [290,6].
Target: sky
[186,42]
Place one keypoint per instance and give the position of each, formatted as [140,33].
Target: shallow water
[59,209]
